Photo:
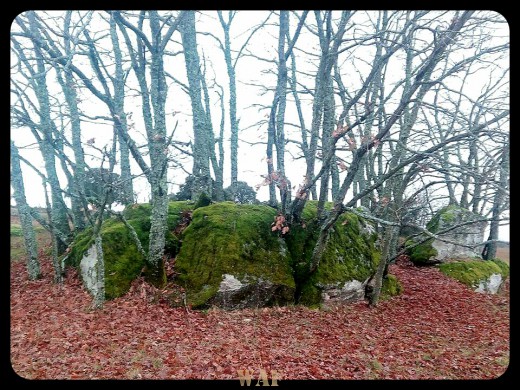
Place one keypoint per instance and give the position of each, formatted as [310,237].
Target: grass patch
[17,244]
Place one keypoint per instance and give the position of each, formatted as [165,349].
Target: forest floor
[438,328]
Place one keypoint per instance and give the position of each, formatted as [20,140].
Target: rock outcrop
[349,260]
[228,255]
[123,262]
[460,232]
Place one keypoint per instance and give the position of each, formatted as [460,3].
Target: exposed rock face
[490,285]
[88,270]
[251,292]
[351,291]
[469,235]
[466,236]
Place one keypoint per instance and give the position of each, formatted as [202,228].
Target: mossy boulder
[123,262]
[423,253]
[481,275]
[350,257]
[203,201]
[231,258]
[434,251]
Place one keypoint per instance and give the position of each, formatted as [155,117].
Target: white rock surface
[467,235]
[490,285]
[351,291]
[88,270]
[230,283]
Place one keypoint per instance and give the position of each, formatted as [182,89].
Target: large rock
[484,276]
[123,262]
[490,285]
[230,258]
[350,258]
[462,237]
[250,292]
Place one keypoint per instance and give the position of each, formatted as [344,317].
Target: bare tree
[203,147]
[33,265]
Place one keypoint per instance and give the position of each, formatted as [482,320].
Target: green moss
[421,253]
[123,262]
[203,201]
[391,287]
[504,267]
[349,255]
[447,214]
[16,230]
[310,295]
[472,272]
[81,243]
[228,238]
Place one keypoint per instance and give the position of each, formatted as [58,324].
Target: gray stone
[249,292]
[88,270]
[230,283]
[349,292]
[490,285]
[469,235]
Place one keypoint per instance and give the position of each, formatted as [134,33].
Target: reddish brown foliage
[437,329]
[280,224]
[185,219]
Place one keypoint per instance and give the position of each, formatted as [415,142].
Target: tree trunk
[59,212]
[210,139]
[281,98]
[119,106]
[33,265]
[71,97]
[377,279]
[271,139]
[232,106]
[329,114]
[99,297]
[201,153]
[158,162]
[490,249]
